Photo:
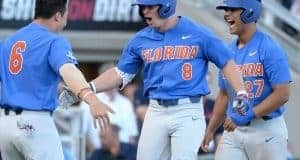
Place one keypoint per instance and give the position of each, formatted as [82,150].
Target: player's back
[26,74]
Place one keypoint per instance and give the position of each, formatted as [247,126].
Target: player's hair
[47,8]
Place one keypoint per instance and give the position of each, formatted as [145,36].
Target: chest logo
[252,53]
[183,37]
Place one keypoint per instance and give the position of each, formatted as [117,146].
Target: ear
[57,16]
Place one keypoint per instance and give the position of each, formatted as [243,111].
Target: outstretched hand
[100,112]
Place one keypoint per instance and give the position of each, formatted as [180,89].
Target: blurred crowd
[294,7]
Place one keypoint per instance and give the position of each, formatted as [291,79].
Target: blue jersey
[174,62]
[30,61]
[263,64]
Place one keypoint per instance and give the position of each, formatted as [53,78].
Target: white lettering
[115,10]
[24,10]
[8,9]
[17,9]
[100,10]
[123,10]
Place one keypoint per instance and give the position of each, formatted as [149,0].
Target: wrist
[85,95]
[82,91]
[93,86]
[90,98]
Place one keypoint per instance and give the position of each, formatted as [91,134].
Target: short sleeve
[217,52]
[130,60]
[61,53]
[276,65]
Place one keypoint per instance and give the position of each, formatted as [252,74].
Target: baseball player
[260,132]
[174,52]
[32,62]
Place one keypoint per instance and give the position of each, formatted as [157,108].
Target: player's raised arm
[234,76]
[107,80]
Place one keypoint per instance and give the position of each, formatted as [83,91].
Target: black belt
[265,118]
[18,111]
[174,102]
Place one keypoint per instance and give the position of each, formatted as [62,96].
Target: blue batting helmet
[251,8]
[167,7]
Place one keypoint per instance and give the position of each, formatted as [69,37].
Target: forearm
[219,112]
[278,97]
[73,78]
[234,76]
[108,80]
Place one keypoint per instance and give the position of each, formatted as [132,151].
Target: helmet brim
[144,3]
[227,7]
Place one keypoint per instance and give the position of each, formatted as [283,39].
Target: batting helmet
[251,8]
[167,7]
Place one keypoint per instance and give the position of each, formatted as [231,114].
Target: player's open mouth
[230,22]
[148,19]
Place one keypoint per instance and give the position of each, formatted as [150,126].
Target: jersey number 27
[16,57]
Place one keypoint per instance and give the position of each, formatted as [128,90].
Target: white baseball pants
[31,135]
[172,133]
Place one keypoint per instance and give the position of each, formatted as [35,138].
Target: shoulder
[267,42]
[58,39]
[269,46]
[196,28]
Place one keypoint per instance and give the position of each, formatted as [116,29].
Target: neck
[246,34]
[168,23]
[46,23]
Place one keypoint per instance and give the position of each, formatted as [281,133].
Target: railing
[273,11]
[73,140]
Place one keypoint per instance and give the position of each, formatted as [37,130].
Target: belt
[18,111]
[265,118]
[174,102]
[8,110]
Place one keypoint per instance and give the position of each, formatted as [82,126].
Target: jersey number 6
[16,58]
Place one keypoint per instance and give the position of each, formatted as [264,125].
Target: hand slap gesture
[99,112]
[98,109]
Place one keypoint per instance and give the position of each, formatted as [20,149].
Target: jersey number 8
[187,71]
[16,58]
